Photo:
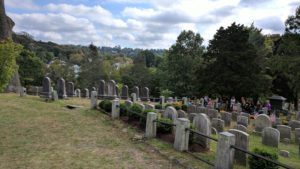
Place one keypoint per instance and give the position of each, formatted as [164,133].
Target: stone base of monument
[45,95]
[124,97]
[145,99]
[110,97]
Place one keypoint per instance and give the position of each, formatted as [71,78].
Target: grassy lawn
[36,134]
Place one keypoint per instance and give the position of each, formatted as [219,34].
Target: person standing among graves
[268,105]
[232,102]
[205,100]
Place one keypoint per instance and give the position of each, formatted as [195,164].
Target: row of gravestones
[271,136]
[110,91]
[63,90]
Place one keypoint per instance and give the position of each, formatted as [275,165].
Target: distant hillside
[48,51]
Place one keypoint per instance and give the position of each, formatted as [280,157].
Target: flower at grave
[222,111]
[285,122]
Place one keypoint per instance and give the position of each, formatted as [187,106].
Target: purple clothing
[268,106]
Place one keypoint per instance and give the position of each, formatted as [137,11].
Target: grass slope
[36,134]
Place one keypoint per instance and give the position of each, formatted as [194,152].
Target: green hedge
[105,105]
[136,108]
[123,111]
[184,107]
[258,163]
[162,128]
[158,106]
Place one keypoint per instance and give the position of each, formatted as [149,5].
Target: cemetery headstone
[142,106]
[133,95]
[162,101]
[212,113]
[77,93]
[54,96]
[294,124]
[70,89]
[125,95]
[201,109]
[218,124]
[242,120]
[226,117]
[270,137]
[297,116]
[285,131]
[191,108]
[145,94]
[85,93]
[214,131]
[111,90]
[94,89]
[94,99]
[284,153]
[262,121]
[241,141]
[22,91]
[202,124]
[46,93]
[241,127]
[192,116]
[246,115]
[181,114]
[128,103]
[234,115]
[150,106]
[61,89]
[170,99]
[136,90]
[101,89]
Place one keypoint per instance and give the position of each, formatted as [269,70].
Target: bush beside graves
[105,105]
[258,163]
[135,108]
[162,128]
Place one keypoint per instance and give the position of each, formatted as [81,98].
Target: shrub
[192,136]
[136,108]
[177,107]
[162,128]
[184,107]
[144,120]
[158,106]
[167,105]
[123,111]
[257,163]
[105,105]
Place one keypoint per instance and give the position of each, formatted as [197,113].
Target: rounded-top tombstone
[46,92]
[61,89]
[101,89]
[262,121]
[125,92]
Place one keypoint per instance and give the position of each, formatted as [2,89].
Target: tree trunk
[296,102]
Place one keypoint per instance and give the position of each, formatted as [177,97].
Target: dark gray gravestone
[226,117]
[61,89]
[101,89]
[85,93]
[136,90]
[242,120]
[297,135]
[125,95]
[234,115]
[46,93]
[218,124]
[111,90]
[145,94]
[241,141]
[78,93]
[70,89]
[191,108]
[270,137]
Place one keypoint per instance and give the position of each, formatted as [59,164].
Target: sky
[141,23]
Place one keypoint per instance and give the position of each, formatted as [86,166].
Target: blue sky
[141,23]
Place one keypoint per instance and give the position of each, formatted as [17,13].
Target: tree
[235,64]
[286,63]
[31,69]
[8,53]
[183,60]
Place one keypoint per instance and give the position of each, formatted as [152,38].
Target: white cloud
[22,4]
[154,25]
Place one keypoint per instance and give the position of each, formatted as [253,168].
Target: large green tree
[8,53]
[286,62]
[183,60]
[235,64]
[31,69]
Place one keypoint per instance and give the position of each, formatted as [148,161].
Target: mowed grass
[36,134]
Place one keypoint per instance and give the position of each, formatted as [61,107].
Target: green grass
[36,134]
